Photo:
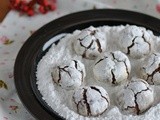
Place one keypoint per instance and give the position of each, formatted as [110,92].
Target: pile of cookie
[113,68]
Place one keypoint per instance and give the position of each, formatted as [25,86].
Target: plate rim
[59,24]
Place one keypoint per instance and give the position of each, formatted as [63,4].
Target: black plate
[31,52]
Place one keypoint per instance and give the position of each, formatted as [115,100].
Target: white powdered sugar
[60,98]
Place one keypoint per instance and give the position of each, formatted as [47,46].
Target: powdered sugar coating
[91,100]
[113,67]
[69,76]
[150,69]
[90,43]
[60,99]
[136,97]
[135,41]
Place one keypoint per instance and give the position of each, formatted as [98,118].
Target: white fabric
[16,28]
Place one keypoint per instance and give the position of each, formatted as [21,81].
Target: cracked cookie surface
[136,97]
[69,76]
[60,98]
[150,71]
[91,100]
[90,43]
[113,67]
[135,41]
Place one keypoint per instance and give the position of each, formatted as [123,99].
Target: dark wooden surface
[3,8]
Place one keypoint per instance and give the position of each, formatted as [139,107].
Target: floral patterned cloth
[16,28]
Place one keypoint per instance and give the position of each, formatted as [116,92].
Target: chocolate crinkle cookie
[90,43]
[69,76]
[91,100]
[150,70]
[135,41]
[136,97]
[113,67]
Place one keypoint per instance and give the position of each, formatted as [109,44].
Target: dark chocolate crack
[84,54]
[76,64]
[129,47]
[99,45]
[81,39]
[86,48]
[82,45]
[81,71]
[143,90]
[82,75]
[100,60]
[114,57]
[86,102]
[93,32]
[136,104]
[77,104]
[81,101]
[54,79]
[113,77]
[59,74]
[155,54]
[94,88]
[121,61]
[135,100]
[63,69]
[88,45]
[154,60]
[149,44]
[150,76]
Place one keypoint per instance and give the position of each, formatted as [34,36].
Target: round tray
[32,51]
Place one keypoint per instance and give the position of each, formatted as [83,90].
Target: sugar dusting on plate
[60,100]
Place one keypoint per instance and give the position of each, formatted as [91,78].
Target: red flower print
[158,7]
[114,1]
[13,100]
[23,27]
[4,40]
[6,53]
[5,118]
[2,63]
[14,108]
[4,26]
